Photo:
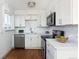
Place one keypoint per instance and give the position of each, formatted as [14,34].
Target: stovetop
[46,36]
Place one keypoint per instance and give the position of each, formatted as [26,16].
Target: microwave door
[52,21]
[53,18]
[49,21]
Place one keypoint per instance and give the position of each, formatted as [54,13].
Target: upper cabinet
[12,22]
[66,12]
[43,20]
[8,18]
[22,21]
[75,11]
[8,23]
[19,21]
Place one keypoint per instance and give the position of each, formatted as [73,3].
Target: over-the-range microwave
[51,19]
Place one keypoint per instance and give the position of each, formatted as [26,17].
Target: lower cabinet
[51,52]
[32,42]
[49,55]
[59,53]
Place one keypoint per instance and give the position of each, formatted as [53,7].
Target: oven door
[43,44]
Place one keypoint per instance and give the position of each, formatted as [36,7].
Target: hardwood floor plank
[25,54]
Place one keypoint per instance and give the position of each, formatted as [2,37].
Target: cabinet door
[17,21]
[67,53]
[36,42]
[32,42]
[22,21]
[59,20]
[69,11]
[75,11]
[58,14]
[43,21]
[66,12]
[7,22]
[12,22]
[28,41]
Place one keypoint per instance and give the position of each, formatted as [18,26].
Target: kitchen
[46,29]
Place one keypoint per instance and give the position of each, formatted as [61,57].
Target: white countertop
[68,45]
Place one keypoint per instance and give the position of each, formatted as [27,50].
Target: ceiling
[22,4]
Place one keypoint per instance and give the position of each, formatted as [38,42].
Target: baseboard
[32,48]
[7,53]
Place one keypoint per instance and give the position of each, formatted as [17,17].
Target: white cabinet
[74,11]
[33,20]
[66,12]
[27,42]
[66,54]
[8,22]
[51,51]
[22,21]
[43,20]
[36,42]
[63,12]
[56,50]
[32,41]
[12,22]
[58,13]
[8,18]
[19,21]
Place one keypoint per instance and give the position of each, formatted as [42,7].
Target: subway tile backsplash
[71,31]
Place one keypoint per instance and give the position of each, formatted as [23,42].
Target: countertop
[68,45]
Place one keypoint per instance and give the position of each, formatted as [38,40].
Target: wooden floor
[25,54]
